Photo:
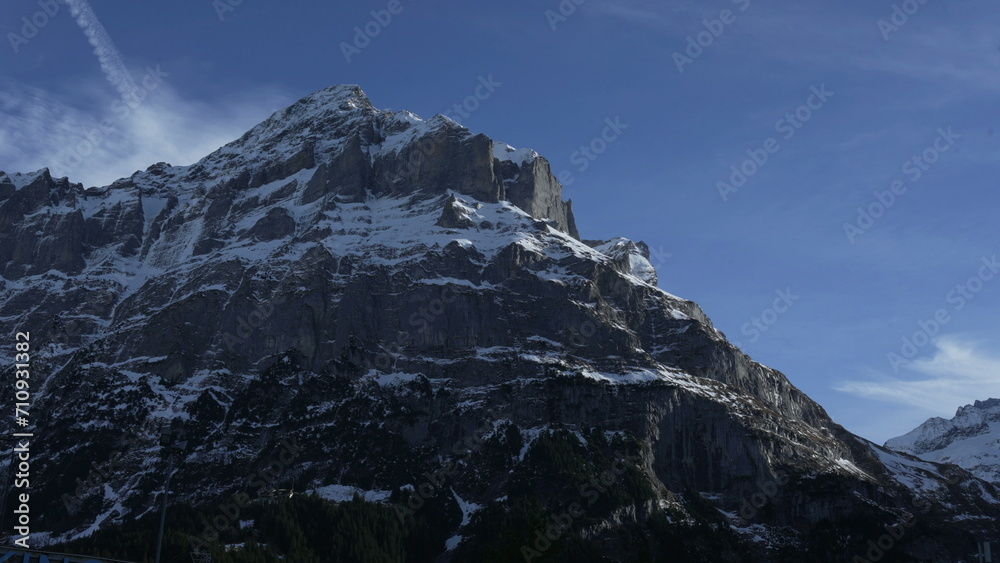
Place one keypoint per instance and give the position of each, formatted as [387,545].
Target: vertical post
[163,510]
[987,556]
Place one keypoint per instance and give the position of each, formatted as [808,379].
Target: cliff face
[377,289]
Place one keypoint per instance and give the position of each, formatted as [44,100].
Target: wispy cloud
[108,55]
[958,373]
[43,129]
[658,16]
[961,50]
[95,137]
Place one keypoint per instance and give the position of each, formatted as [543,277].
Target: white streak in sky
[108,55]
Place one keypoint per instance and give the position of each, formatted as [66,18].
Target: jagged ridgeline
[349,303]
[968,440]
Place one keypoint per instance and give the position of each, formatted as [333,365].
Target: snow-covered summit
[330,148]
[20,180]
[326,123]
[970,440]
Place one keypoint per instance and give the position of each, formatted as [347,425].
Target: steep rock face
[970,440]
[375,287]
[534,189]
[38,232]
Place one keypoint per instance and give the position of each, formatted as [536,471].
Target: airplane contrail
[108,55]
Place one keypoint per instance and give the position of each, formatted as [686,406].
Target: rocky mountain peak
[353,151]
[988,404]
[378,286]
[971,439]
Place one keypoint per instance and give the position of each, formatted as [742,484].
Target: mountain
[401,319]
[970,440]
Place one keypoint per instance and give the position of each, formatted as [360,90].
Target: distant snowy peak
[970,440]
[937,433]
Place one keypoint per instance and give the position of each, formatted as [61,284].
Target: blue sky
[839,104]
